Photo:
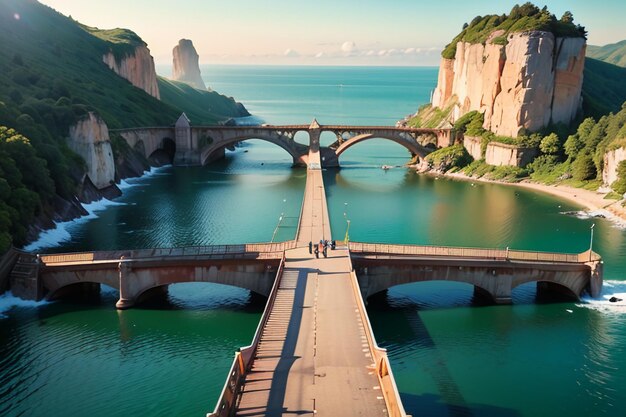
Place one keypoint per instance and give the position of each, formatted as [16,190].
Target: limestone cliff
[532,81]
[186,67]
[137,67]
[89,138]
[611,162]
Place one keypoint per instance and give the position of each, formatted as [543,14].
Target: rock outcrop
[186,67]
[89,138]
[138,68]
[611,162]
[532,81]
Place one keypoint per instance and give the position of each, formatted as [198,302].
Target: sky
[319,32]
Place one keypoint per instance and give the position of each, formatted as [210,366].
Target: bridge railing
[192,251]
[243,358]
[460,252]
[383,367]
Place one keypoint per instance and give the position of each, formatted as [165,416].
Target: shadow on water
[429,405]
[433,363]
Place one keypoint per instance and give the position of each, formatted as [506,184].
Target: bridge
[200,145]
[314,351]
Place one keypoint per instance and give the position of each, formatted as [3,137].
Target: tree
[573,145]
[567,17]
[583,168]
[550,144]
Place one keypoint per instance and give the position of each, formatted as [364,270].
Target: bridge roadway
[316,353]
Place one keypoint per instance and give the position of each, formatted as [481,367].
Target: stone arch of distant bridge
[401,138]
[497,282]
[220,140]
[149,140]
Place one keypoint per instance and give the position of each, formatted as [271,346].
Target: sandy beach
[593,201]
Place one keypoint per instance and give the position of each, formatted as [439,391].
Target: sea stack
[186,68]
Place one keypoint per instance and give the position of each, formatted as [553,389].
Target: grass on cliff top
[121,42]
[524,18]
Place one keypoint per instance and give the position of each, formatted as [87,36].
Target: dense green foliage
[526,17]
[24,178]
[52,74]
[614,53]
[446,158]
[197,102]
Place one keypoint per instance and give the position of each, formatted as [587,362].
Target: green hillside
[614,53]
[604,88]
[51,74]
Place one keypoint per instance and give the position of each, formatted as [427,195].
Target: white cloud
[320,55]
[382,52]
[409,51]
[349,47]
[290,53]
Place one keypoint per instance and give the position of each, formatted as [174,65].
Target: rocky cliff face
[532,81]
[137,68]
[186,68]
[89,138]
[611,161]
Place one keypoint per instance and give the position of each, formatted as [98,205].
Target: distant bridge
[199,145]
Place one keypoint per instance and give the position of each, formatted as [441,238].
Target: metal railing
[243,358]
[272,250]
[383,367]
[379,249]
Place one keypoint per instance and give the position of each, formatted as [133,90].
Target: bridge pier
[126,300]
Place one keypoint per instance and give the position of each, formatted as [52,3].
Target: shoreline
[593,202]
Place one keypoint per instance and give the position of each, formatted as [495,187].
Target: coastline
[593,202]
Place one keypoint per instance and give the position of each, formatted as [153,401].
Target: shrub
[584,168]
[550,144]
[445,158]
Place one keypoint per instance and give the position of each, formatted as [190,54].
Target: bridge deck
[314,356]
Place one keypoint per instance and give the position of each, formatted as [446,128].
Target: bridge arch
[297,151]
[410,144]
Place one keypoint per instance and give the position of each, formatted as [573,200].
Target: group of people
[321,247]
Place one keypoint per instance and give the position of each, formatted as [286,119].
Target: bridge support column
[125,300]
[596,279]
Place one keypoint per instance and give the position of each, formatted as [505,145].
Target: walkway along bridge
[314,351]
[199,145]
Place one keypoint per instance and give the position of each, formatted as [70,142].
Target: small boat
[386,167]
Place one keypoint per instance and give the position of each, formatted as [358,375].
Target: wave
[611,288]
[8,301]
[598,214]
[61,232]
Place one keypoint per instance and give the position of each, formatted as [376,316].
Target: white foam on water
[584,215]
[9,301]
[609,289]
[61,233]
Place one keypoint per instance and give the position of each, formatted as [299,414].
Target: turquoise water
[450,356]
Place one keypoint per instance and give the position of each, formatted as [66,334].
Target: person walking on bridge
[310,247]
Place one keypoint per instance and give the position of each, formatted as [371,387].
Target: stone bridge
[494,273]
[200,145]
[134,273]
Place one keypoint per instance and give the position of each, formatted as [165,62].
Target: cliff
[137,67]
[532,81]
[611,161]
[89,138]
[186,67]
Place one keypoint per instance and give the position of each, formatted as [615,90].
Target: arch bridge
[200,145]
